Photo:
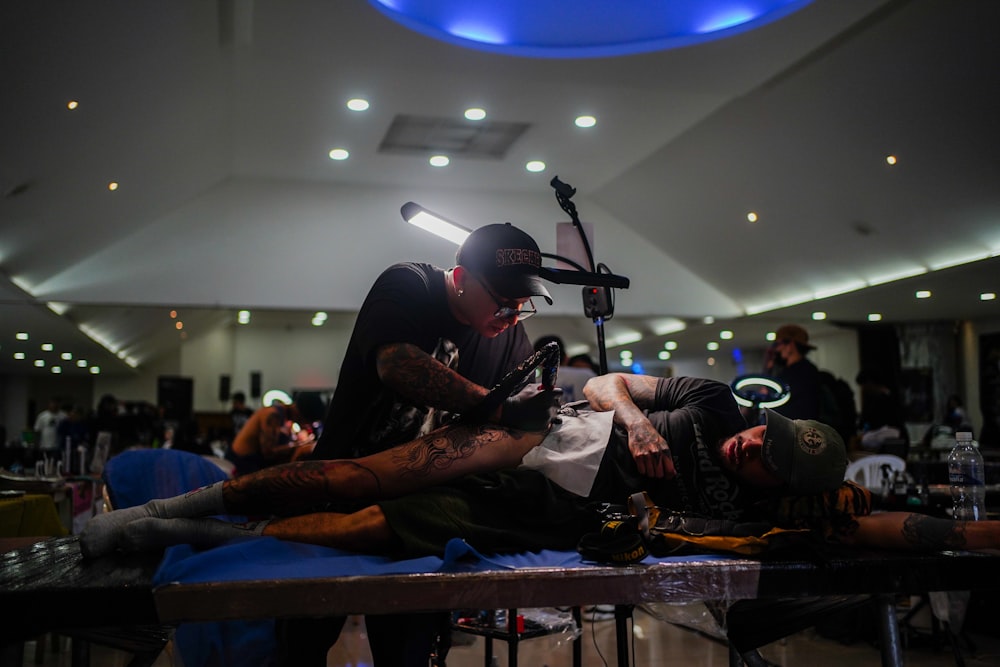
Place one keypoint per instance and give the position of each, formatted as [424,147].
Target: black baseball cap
[505,257]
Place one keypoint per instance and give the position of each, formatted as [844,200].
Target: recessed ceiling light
[57,369]
[874,317]
[710,361]
[726,334]
[987,296]
[339,154]
[923,294]
[40,363]
[770,336]
[713,345]
[819,315]
[625,354]
[439,161]
[81,363]
[47,347]
[173,314]
[357,104]
[890,159]
[72,104]
[21,335]
[95,370]
[585,121]
[708,319]
[19,355]
[475,113]
[670,345]
[535,166]
[113,185]
[243,317]
[751,216]
[663,355]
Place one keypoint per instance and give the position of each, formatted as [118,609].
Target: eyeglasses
[503,312]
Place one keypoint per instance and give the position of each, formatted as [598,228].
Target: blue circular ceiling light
[582,28]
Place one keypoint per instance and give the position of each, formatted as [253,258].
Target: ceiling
[216,119]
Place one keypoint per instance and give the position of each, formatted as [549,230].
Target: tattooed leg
[924,532]
[438,457]
[364,531]
[296,488]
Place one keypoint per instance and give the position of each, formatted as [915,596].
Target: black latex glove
[531,409]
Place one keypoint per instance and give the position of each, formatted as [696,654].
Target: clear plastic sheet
[698,616]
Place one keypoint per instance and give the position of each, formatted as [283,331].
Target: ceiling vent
[425,135]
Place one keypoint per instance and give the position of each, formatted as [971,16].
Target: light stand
[598,299]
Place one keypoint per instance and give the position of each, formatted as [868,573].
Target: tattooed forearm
[613,391]
[425,381]
[441,449]
[925,532]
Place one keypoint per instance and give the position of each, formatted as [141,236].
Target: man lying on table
[682,440]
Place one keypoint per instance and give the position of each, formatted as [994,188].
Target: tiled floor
[654,642]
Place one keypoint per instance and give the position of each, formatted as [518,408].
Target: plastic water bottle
[966,473]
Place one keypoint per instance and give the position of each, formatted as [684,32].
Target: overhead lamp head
[415,214]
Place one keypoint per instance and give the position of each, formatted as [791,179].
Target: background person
[790,365]
[47,426]
[271,435]
[584,361]
[239,412]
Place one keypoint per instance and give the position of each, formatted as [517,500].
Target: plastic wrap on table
[696,616]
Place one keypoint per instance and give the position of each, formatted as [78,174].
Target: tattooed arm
[424,380]
[627,395]
[918,532]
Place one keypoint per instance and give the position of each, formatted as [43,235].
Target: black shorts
[504,512]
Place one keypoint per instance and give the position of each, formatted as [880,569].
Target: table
[49,582]
[30,514]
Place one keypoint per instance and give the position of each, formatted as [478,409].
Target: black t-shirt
[693,415]
[407,304]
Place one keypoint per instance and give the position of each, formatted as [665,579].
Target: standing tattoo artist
[428,342]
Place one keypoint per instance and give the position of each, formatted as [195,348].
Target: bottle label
[962,479]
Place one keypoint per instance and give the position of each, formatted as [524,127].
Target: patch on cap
[812,442]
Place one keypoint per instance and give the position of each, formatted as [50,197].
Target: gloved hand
[531,409]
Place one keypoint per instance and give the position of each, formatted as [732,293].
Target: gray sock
[101,534]
[152,533]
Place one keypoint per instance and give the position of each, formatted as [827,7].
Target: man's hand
[531,409]
[650,451]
